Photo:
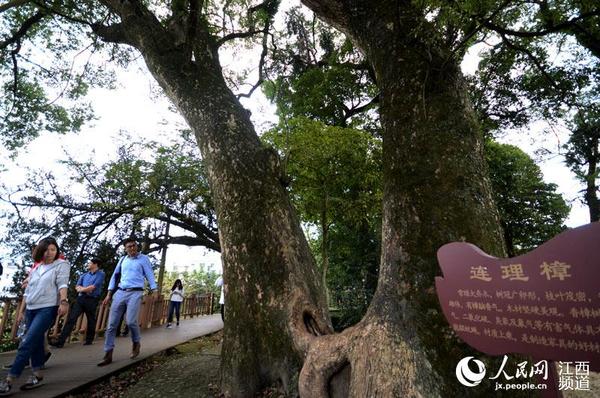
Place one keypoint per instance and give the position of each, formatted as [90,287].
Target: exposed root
[371,359]
[306,324]
[327,357]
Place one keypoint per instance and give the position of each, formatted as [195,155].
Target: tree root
[371,359]
[307,323]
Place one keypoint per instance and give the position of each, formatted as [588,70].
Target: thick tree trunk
[273,287]
[274,299]
[591,189]
[273,284]
[325,248]
[436,191]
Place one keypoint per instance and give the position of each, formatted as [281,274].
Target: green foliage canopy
[127,196]
[335,171]
[583,156]
[531,211]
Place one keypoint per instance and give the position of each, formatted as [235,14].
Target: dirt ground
[187,370]
[192,370]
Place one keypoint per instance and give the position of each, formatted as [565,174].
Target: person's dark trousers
[87,305]
[223,312]
[174,306]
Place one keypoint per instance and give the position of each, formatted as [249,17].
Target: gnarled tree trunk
[436,190]
[274,297]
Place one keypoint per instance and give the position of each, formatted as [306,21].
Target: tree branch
[12,4]
[190,224]
[349,112]
[79,167]
[237,35]
[114,33]
[569,24]
[56,11]
[186,241]
[15,69]
[532,57]
[18,35]
[270,7]
[333,11]
[261,64]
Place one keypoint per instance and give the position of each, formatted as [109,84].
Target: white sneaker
[169,326]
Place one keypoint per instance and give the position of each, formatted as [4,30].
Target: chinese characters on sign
[545,303]
[514,272]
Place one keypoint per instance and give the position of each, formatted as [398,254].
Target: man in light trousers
[127,284]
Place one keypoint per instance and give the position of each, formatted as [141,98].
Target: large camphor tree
[435,184]
[275,300]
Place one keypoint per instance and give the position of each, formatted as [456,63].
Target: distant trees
[93,206]
[583,157]
[198,281]
[531,211]
[334,175]
[127,196]
[541,62]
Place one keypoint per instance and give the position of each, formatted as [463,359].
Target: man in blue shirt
[127,284]
[89,286]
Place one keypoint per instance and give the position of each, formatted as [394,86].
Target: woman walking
[45,296]
[175,302]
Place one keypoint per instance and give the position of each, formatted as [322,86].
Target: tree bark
[591,189]
[163,259]
[274,298]
[325,246]
[436,190]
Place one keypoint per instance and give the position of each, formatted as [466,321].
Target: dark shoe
[135,350]
[87,343]
[47,357]
[5,388]
[107,358]
[33,382]
[56,344]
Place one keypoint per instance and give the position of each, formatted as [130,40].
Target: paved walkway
[75,365]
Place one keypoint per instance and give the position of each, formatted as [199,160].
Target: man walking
[127,284]
[89,287]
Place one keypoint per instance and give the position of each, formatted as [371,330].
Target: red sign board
[545,303]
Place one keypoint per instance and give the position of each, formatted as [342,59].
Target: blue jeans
[173,305]
[130,303]
[32,345]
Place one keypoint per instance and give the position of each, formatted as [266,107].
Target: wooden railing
[153,312]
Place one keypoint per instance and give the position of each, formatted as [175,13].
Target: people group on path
[45,297]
